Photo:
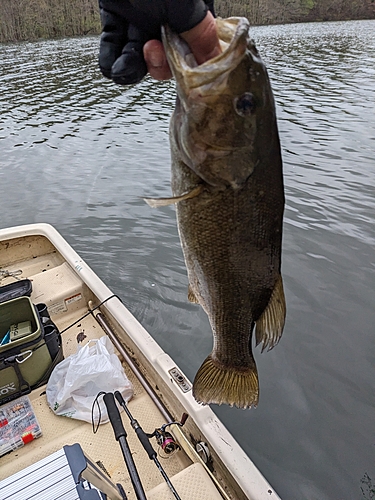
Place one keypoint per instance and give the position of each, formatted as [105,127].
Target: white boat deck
[66,296]
[51,478]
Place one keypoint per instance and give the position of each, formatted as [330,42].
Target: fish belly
[231,240]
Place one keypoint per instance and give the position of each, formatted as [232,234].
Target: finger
[110,50]
[156,60]
[203,39]
[129,68]
[112,40]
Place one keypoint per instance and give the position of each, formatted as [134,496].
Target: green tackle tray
[17,311]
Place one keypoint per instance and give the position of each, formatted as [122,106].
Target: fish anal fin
[219,384]
[270,325]
[191,296]
[163,202]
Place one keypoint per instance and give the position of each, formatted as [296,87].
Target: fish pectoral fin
[191,296]
[270,325]
[163,202]
[221,384]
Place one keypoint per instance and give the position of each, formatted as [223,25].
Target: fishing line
[91,311]
[96,400]
[78,320]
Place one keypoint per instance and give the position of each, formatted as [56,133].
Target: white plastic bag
[77,380]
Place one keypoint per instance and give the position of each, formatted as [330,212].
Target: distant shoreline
[68,18]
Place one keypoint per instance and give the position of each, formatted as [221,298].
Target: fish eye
[245,104]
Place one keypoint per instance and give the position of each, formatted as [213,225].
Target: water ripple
[80,152]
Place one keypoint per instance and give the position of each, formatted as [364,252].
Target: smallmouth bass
[228,188]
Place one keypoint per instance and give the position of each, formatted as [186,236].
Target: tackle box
[26,361]
[18,425]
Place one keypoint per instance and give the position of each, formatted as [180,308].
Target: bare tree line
[287,11]
[33,19]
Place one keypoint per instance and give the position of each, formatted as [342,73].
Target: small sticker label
[73,298]
[57,308]
[78,266]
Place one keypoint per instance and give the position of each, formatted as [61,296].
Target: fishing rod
[183,441]
[145,441]
[120,435]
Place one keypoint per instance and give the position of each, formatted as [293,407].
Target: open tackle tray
[30,343]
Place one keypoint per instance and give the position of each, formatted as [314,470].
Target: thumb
[203,39]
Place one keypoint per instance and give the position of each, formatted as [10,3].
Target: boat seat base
[192,483]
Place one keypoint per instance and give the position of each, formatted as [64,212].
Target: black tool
[143,438]
[120,435]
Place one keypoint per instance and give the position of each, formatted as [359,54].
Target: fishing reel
[165,440]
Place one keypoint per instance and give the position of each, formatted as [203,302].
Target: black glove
[129,24]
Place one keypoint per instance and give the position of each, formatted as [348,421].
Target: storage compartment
[14,312]
[15,290]
[26,361]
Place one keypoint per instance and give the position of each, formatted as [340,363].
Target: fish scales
[228,189]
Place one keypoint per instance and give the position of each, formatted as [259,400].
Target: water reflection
[80,153]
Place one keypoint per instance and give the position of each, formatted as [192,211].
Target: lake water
[79,152]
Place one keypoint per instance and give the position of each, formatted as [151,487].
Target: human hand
[202,40]
[130,43]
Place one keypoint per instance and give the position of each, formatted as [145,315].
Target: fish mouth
[233,36]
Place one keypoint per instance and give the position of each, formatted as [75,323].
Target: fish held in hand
[228,188]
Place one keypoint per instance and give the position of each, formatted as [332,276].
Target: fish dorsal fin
[270,325]
[163,202]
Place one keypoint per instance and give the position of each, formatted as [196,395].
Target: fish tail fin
[221,384]
[270,325]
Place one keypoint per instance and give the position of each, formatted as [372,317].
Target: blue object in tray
[6,338]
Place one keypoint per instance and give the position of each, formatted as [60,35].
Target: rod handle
[119,398]
[114,416]
[145,443]
[142,436]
